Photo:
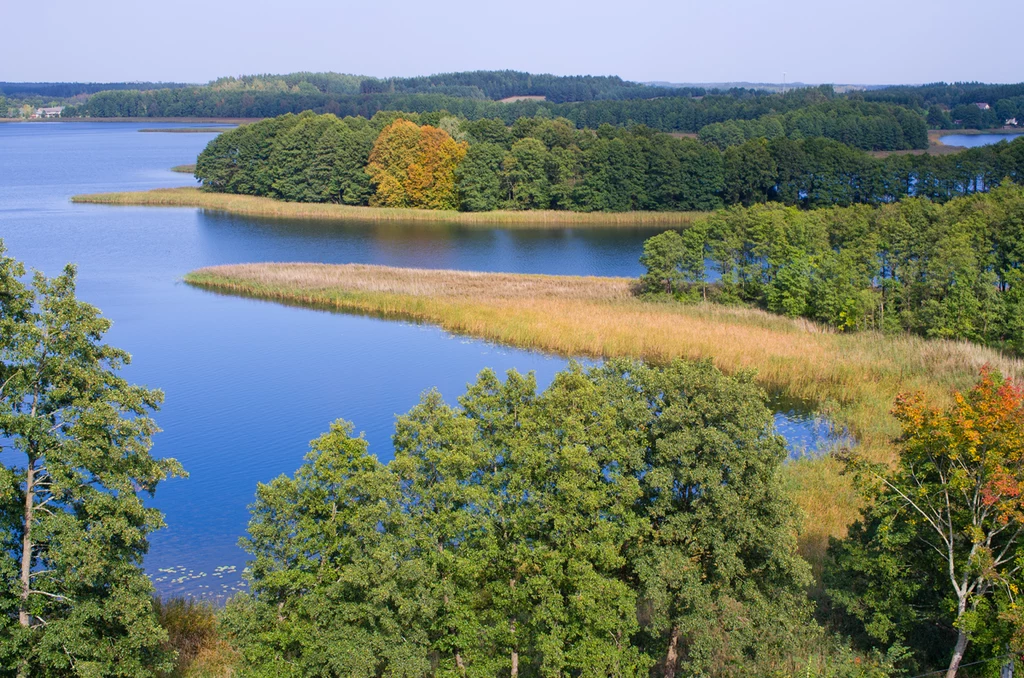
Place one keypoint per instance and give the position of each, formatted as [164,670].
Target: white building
[51,112]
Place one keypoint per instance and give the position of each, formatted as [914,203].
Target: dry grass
[852,378]
[248,205]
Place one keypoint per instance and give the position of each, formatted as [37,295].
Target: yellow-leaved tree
[413,166]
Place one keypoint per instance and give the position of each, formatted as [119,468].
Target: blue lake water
[975,140]
[248,383]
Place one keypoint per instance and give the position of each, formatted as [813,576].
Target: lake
[975,140]
[248,383]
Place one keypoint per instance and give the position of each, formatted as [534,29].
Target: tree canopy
[76,442]
[625,518]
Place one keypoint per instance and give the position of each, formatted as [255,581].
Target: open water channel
[248,383]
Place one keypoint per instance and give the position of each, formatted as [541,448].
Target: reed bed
[249,205]
[852,378]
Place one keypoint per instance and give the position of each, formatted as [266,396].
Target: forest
[948,270]
[588,101]
[541,163]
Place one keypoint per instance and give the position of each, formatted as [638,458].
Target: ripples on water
[248,384]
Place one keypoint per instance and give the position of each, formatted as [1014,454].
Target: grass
[852,378]
[248,205]
[184,169]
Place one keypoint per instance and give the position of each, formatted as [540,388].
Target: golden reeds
[249,205]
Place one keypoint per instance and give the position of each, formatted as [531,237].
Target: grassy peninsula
[248,205]
[184,169]
[851,377]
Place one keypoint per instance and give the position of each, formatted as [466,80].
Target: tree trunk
[515,664]
[672,658]
[958,654]
[26,546]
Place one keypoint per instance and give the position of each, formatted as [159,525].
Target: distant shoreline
[228,121]
[248,205]
[186,130]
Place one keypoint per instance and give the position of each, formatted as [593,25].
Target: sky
[811,41]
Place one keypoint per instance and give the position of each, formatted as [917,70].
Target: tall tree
[78,463]
[413,166]
[940,546]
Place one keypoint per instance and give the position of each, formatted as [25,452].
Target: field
[248,205]
[852,378]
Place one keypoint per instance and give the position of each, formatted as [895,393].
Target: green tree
[750,173]
[478,178]
[329,575]
[75,600]
[674,261]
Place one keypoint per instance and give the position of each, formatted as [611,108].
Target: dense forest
[949,271]
[541,163]
[887,118]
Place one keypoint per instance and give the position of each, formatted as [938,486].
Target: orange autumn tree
[413,166]
[938,555]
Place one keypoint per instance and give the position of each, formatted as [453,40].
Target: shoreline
[851,378]
[247,205]
[226,121]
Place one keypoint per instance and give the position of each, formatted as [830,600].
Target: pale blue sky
[866,41]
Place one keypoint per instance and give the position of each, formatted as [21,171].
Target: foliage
[951,271]
[872,127]
[625,517]
[540,163]
[935,561]
[194,636]
[414,166]
[74,527]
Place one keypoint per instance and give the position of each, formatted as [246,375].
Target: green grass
[267,207]
[184,169]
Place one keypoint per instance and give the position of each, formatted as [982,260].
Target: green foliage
[76,437]
[951,271]
[303,158]
[626,517]
[871,127]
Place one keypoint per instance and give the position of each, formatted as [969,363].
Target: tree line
[541,163]
[658,108]
[871,127]
[948,271]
